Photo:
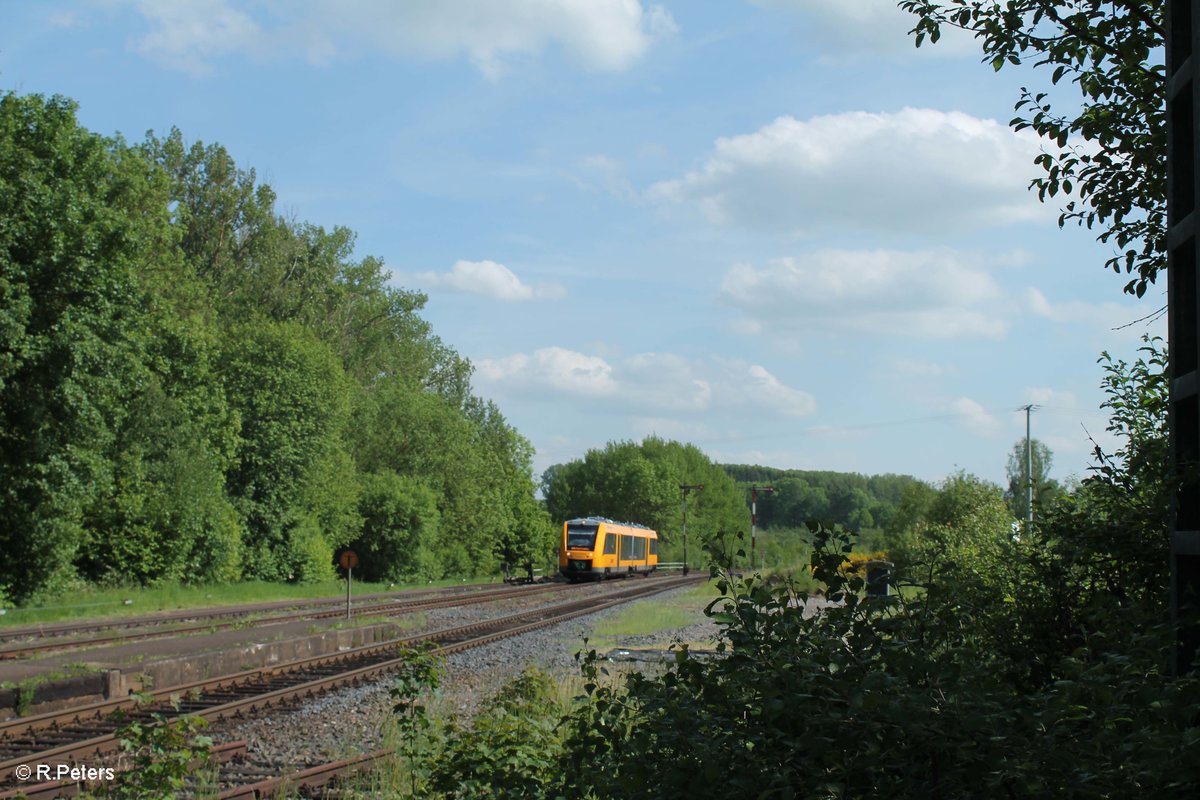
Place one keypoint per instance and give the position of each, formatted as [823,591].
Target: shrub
[512,748]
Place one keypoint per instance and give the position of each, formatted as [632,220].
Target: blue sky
[773,229]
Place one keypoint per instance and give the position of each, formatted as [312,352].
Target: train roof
[598,520]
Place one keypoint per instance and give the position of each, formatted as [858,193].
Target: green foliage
[291,395]
[160,757]
[1107,156]
[620,483]
[400,528]
[68,302]
[418,678]
[511,749]
[880,508]
[1045,488]
[193,387]
[1032,666]
[640,483]
[869,698]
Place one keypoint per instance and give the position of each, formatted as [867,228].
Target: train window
[610,544]
[581,537]
[654,547]
[633,548]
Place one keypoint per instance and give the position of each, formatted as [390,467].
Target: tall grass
[648,617]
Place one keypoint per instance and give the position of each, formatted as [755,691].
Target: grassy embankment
[104,603]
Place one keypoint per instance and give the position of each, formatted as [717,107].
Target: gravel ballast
[352,720]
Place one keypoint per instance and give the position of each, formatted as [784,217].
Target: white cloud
[752,387]
[602,35]
[1100,315]
[975,417]
[867,27]
[928,293]
[555,369]
[489,279]
[188,34]
[1047,396]
[916,170]
[646,384]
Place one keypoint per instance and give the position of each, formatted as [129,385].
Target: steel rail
[400,605]
[233,696]
[306,779]
[221,755]
[161,617]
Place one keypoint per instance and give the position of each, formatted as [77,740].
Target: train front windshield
[581,537]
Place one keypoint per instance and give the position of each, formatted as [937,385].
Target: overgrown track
[211,612]
[397,605]
[79,734]
[310,780]
[238,776]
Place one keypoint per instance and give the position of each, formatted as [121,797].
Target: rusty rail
[87,731]
[397,606]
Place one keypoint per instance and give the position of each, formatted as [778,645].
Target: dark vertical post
[1183,102]
[685,488]
[1028,472]
[754,490]
[753,524]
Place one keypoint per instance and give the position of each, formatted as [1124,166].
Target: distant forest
[861,503]
[195,387]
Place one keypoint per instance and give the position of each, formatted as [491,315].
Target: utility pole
[685,488]
[1028,409]
[754,490]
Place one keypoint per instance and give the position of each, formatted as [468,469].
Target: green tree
[399,533]
[291,395]
[1045,488]
[618,482]
[69,311]
[1107,156]
[911,512]
[640,483]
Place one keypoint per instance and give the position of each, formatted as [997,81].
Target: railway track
[241,777]
[79,735]
[31,637]
[398,605]
[49,629]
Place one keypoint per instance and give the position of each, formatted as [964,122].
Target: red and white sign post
[754,490]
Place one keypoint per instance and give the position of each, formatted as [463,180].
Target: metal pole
[349,580]
[753,522]
[685,488]
[754,490]
[1028,470]
[685,563]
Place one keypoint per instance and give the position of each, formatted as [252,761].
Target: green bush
[511,749]
[898,698]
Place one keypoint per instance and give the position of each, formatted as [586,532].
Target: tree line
[195,387]
[632,482]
